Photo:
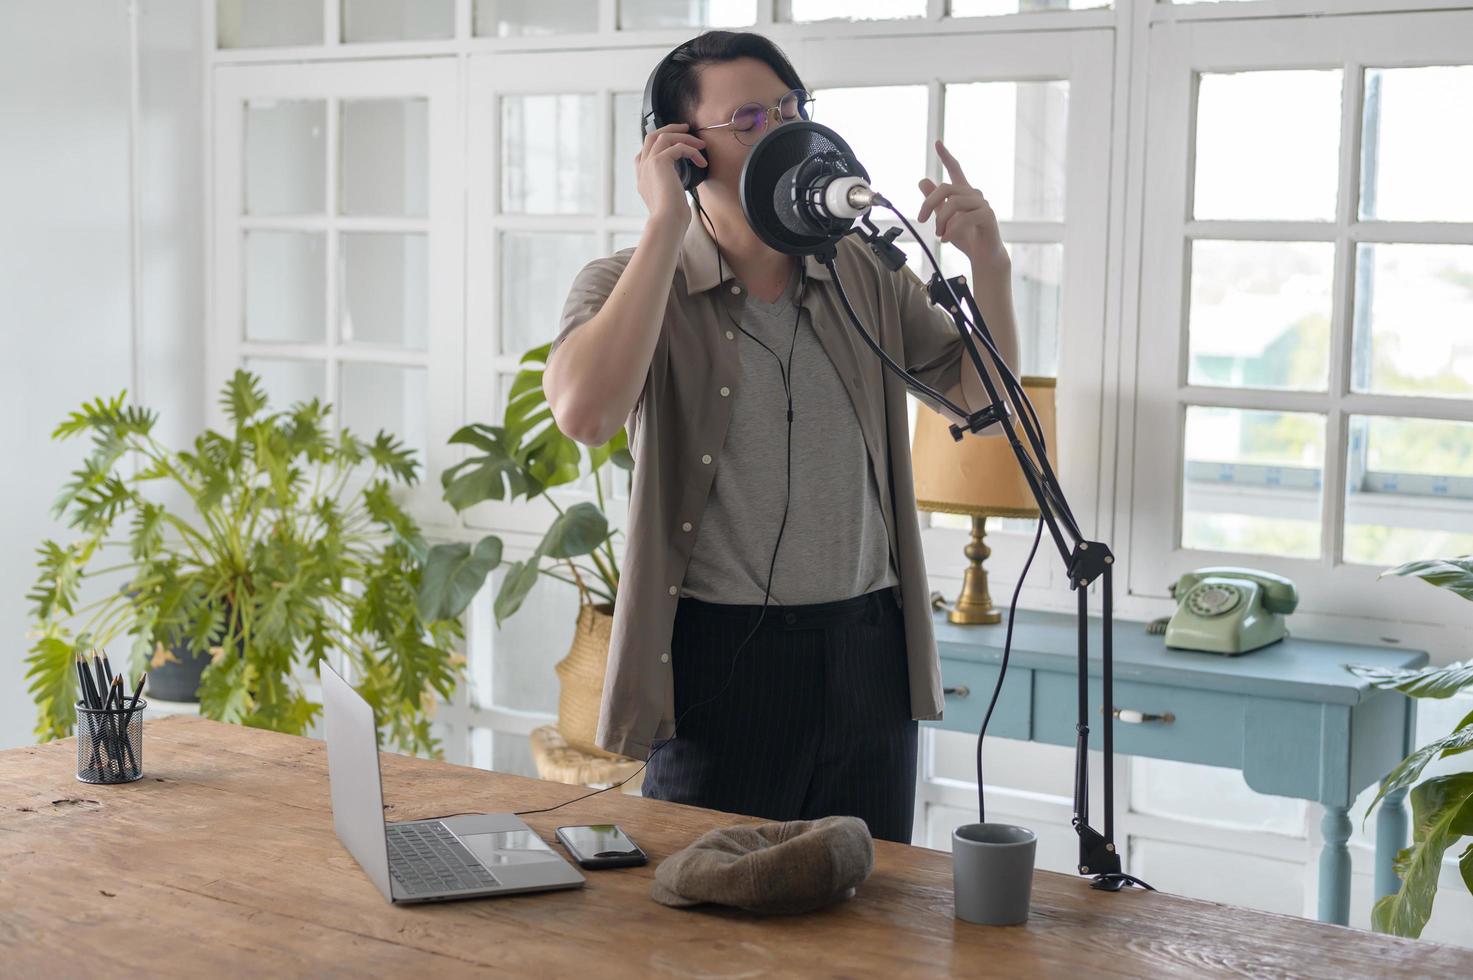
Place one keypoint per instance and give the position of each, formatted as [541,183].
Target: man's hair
[677,90]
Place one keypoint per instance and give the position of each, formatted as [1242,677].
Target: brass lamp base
[974,605]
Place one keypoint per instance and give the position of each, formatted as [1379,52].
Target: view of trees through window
[1264,310]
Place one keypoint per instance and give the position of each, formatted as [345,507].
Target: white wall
[80,319]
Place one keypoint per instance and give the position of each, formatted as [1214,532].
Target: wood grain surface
[222,861]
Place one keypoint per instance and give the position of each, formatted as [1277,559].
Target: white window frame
[435,80]
[1181,49]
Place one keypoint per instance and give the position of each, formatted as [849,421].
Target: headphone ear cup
[691,173]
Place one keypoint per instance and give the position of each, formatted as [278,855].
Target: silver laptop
[423,860]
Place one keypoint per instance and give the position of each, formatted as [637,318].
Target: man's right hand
[658,182]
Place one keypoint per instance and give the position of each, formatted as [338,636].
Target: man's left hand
[963,216]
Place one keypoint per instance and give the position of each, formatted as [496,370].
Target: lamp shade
[979,476]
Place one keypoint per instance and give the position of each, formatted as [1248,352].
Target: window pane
[1297,114]
[1408,490]
[287,382]
[803,10]
[894,154]
[1415,161]
[1038,281]
[536,270]
[397,20]
[1414,320]
[1253,481]
[388,397]
[510,18]
[1260,314]
[385,158]
[627,142]
[549,154]
[267,23]
[635,14]
[385,289]
[625,239]
[286,157]
[1010,137]
[285,286]
[986,8]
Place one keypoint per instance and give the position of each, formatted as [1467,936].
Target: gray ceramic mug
[992,872]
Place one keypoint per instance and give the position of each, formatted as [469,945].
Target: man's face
[724,88]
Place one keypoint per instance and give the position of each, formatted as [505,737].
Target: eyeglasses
[749,122]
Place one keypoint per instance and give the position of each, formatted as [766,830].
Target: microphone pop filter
[768,188]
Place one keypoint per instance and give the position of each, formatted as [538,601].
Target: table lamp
[978,478]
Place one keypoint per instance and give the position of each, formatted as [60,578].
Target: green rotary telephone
[1229,610]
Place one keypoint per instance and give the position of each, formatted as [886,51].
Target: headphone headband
[690,172]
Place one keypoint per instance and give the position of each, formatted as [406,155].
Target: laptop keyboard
[426,858]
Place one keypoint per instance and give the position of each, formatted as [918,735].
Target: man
[772,646]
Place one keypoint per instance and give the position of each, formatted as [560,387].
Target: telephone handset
[1229,610]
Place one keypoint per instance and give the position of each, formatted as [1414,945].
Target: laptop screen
[352,770]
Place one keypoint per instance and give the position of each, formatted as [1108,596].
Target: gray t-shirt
[834,545]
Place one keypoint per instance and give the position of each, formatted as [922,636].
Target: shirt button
[664,658]
[735,290]
[790,618]
[673,590]
[730,335]
[725,391]
[686,526]
[706,458]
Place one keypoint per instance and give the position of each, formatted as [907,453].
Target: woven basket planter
[581,679]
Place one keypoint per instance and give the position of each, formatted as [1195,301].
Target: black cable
[786,375]
[1002,673]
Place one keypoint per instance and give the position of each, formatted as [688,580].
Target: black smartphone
[601,845]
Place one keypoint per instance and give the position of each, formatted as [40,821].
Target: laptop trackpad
[505,847]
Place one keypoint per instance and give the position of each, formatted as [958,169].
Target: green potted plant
[294,547]
[525,457]
[1442,806]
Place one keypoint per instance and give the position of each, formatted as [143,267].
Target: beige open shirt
[678,427]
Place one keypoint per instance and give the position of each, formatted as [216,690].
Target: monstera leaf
[496,475]
[579,530]
[453,574]
[1442,814]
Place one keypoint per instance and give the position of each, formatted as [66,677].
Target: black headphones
[689,171]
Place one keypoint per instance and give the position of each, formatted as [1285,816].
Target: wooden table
[222,861]
[1290,717]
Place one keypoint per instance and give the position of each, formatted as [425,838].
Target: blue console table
[1289,716]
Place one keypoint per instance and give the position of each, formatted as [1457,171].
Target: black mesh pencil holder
[110,744]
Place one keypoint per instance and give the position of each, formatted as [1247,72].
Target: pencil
[89,692]
[84,691]
[102,680]
[128,717]
[109,721]
[138,688]
[120,724]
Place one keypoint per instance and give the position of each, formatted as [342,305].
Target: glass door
[337,241]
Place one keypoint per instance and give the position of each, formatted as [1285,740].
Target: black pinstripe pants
[814,721]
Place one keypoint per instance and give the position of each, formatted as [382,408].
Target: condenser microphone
[813,196]
[802,188]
